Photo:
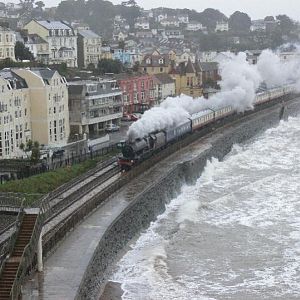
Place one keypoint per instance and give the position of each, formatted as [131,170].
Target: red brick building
[138,92]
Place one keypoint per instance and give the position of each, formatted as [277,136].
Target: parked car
[126,118]
[133,117]
[58,153]
[112,128]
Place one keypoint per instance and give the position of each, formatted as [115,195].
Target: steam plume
[239,83]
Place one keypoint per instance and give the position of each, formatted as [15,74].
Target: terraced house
[88,47]
[7,43]
[15,125]
[138,92]
[61,39]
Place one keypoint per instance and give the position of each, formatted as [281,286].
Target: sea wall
[146,206]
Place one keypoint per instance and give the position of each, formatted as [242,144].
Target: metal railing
[11,202]
[7,248]
[29,251]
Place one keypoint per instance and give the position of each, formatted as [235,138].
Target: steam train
[138,150]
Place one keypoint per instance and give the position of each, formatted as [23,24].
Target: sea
[234,234]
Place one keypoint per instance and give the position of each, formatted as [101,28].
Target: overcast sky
[255,8]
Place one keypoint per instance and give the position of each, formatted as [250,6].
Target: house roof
[125,76]
[190,67]
[44,73]
[155,60]
[12,77]
[208,66]
[164,78]
[53,24]
[88,34]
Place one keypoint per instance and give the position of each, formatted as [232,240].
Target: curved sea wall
[146,206]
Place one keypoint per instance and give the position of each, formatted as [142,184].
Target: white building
[161,17]
[194,26]
[164,86]
[60,37]
[183,19]
[38,47]
[170,22]
[7,43]
[142,24]
[258,25]
[222,26]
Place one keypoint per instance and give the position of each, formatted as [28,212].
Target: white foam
[255,189]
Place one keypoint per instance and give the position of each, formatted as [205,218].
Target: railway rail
[71,192]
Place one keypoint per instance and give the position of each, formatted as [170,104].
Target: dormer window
[148,61]
[161,61]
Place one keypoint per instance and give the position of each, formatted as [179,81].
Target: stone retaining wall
[148,205]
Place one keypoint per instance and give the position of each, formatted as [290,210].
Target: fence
[30,250]
[23,169]
[7,247]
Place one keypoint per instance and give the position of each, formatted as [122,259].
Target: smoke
[239,83]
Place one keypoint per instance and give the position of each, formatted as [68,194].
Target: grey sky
[255,8]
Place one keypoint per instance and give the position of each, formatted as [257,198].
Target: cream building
[48,94]
[60,37]
[15,126]
[7,43]
[88,47]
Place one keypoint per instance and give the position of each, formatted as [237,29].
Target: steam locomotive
[140,149]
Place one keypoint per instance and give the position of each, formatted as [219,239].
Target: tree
[22,146]
[40,5]
[239,22]
[110,66]
[286,24]
[29,145]
[35,152]
[269,19]
[208,18]
[22,53]
[136,67]
[121,45]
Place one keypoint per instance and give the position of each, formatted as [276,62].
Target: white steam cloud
[239,83]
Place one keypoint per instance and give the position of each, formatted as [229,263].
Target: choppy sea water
[235,234]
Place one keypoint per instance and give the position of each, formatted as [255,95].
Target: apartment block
[48,94]
[93,105]
[15,126]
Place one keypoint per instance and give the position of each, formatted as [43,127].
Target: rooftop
[53,24]
[164,78]
[88,34]
[11,76]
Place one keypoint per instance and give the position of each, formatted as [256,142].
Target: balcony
[102,118]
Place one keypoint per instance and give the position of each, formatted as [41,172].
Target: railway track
[58,205]
[72,191]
